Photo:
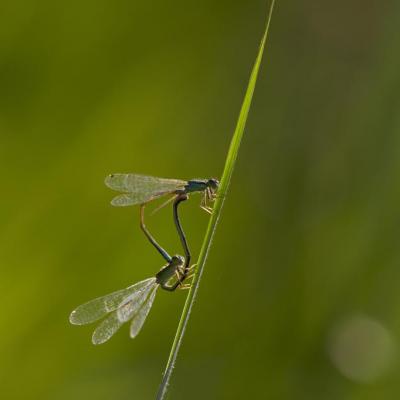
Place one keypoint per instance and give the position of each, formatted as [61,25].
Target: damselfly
[134,303]
[141,189]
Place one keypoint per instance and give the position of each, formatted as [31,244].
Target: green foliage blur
[300,296]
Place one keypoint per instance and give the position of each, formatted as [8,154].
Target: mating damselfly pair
[134,303]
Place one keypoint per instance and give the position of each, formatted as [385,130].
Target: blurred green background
[300,296]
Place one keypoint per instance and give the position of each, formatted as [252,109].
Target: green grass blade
[223,189]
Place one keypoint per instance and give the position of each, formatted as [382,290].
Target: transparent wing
[124,313]
[131,199]
[140,189]
[140,317]
[98,308]
[132,304]
[106,329]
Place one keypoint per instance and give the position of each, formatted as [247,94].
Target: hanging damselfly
[134,303]
[141,189]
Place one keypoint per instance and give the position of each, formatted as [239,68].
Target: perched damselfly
[134,303]
[141,189]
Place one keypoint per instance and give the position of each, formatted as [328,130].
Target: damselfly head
[177,261]
[213,184]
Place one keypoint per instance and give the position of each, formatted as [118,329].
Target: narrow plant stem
[223,189]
